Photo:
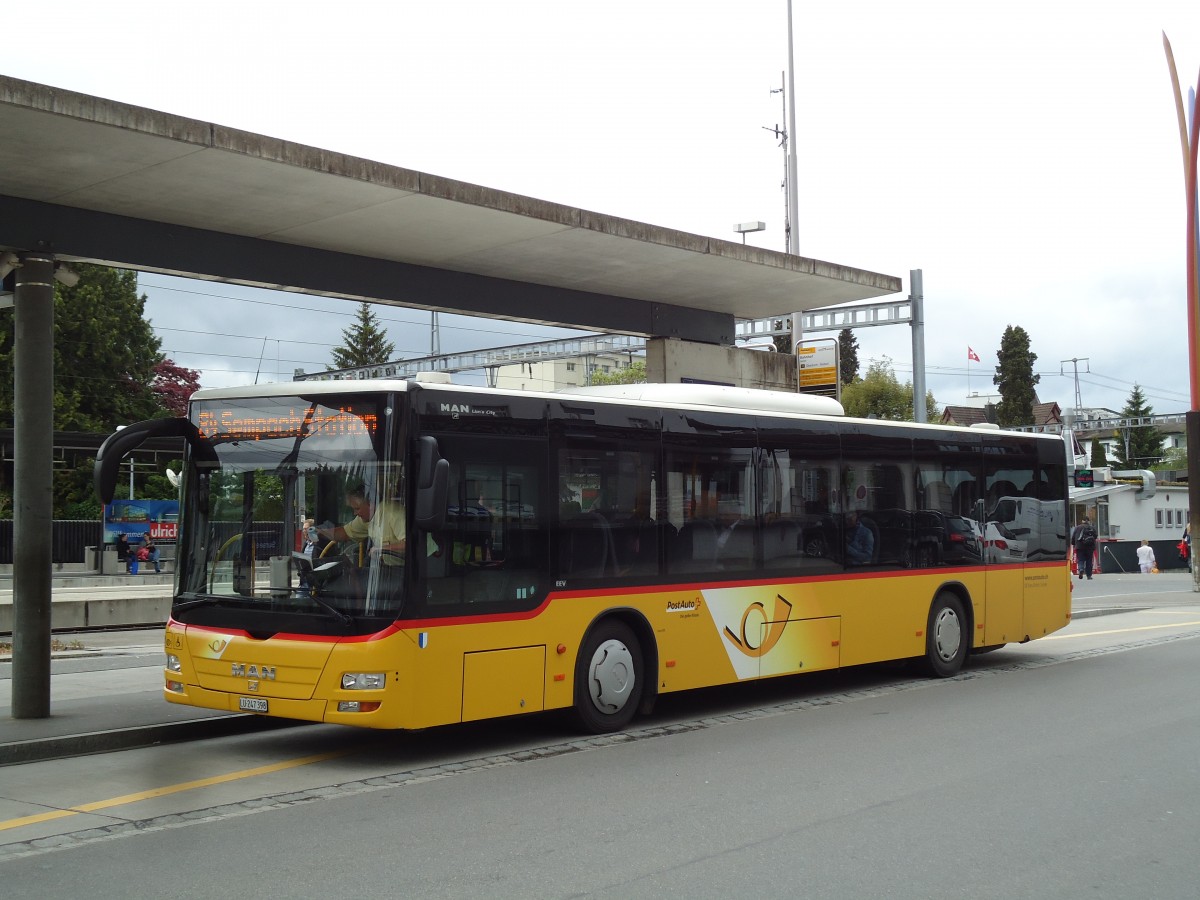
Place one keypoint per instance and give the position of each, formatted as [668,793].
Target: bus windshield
[289,507]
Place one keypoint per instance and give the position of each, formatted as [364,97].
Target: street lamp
[744,227]
[119,428]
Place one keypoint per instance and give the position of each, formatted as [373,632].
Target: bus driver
[382,524]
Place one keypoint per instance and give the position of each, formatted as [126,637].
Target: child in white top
[1145,555]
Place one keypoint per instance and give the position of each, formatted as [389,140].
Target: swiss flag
[972,355]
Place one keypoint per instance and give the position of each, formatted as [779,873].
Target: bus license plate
[252,704]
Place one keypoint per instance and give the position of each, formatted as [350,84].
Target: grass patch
[55,646]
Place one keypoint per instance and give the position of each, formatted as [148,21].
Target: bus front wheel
[947,638]
[608,678]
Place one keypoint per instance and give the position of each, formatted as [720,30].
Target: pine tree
[1015,379]
[1141,445]
[364,343]
[848,356]
[1099,457]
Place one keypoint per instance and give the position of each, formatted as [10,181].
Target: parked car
[945,540]
[1000,545]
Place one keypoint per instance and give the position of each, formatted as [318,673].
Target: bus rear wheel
[947,638]
[608,678]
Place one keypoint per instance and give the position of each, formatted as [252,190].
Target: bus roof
[714,397]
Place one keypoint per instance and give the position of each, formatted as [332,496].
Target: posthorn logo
[760,631]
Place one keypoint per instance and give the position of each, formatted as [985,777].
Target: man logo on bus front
[752,629]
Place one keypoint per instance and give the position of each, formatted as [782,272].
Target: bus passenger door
[1009,468]
[1005,608]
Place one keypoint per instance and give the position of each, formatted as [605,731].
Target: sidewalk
[106,686]
[98,601]
[105,695]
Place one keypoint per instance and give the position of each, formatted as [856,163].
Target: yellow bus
[478,553]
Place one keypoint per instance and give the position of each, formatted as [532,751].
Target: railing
[69,542]
[1106,424]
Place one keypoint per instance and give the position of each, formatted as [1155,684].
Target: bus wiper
[333,611]
[342,617]
[200,601]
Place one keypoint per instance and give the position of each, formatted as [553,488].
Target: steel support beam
[916,286]
[833,318]
[490,359]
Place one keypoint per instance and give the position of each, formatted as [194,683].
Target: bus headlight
[173,663]
[363,681]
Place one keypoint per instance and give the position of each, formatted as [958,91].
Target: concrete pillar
[33,421]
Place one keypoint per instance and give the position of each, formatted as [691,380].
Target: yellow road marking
[1063,637]
[168,790]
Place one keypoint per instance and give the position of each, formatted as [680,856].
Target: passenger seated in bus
[382,524]
[860,543]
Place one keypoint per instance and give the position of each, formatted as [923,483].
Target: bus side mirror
[117,444]
[433,483]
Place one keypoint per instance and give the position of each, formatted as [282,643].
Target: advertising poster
[159,519]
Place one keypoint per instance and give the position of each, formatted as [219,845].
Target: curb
[1105,611]
[62,746]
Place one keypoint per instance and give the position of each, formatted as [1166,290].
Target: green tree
[880,394]
[847,356]
[1174,460]
[1141,445]
[364,343]
[105,353]
[635,373]
[1099,457]
[1015,379]
[74,495]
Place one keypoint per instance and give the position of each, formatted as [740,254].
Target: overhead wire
[181,356]
[1109,382]
[346,315]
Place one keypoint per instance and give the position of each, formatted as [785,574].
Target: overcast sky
[1024,155]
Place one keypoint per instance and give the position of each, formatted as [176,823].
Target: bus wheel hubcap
[611,680]
[947,634]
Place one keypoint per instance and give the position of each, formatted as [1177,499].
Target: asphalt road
[1063,768]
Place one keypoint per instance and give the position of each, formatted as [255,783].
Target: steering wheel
[347,554]
[394,554]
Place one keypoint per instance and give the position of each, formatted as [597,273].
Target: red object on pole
[1189,145]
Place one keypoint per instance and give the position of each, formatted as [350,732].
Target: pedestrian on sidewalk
[1083,539]
[1145,555]
[152,555]
[123,550]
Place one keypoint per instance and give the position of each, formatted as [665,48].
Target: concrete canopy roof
[94,180]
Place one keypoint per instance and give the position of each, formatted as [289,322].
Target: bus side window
[492,550]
